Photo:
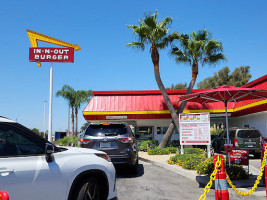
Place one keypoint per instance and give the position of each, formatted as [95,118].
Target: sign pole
[50,104]
[208,151]
[44,116]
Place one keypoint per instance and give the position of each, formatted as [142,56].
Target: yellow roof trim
[151,112]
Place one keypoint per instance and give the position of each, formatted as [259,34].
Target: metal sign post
[50,104]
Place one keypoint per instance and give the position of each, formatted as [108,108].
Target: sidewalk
[244,185]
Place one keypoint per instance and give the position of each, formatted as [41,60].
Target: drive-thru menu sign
[194,129]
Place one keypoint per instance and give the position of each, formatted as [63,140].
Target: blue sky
[104,63]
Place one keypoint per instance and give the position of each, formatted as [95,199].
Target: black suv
[116,139]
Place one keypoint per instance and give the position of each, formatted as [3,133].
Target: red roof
[150,104]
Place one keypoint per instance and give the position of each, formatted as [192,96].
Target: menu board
[194,129]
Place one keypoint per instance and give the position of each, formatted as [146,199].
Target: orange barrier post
[4,195]
[221,186]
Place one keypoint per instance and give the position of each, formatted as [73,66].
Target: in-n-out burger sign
[46,54]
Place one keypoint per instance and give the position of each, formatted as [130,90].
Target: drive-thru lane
[155,183]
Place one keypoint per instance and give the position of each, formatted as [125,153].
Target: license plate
[105,144]
[250,145]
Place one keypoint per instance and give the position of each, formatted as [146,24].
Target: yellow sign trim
[34,36]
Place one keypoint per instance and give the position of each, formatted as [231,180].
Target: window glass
[106,130]
[145,132]
[231,134]
[164,130]
[13,142]
[248,134]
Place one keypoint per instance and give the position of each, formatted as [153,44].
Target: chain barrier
[212,178]
[256,182]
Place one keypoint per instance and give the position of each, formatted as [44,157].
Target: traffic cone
[221,186]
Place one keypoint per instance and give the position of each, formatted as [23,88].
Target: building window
[146,132]
[162,130]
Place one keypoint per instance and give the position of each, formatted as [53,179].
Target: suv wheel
[134,169]
[88,189]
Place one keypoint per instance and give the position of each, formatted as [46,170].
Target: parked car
[32,168]
[242,139]
[116,139]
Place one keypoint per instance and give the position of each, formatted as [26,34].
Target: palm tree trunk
[155,60]
[167,137]
[76,121]
[72,120]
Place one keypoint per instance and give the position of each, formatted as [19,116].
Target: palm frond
[203,34]
[166,22]
[169,40]
[180,56]
[213,47]
[214,59]
[150,31]
[136,45]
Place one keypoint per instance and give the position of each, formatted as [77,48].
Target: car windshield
[106,130]
[248,134]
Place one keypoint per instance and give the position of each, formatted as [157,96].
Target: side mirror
[49,149]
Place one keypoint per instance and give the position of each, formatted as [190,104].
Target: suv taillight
[85,141]
[126,140]
[236,142]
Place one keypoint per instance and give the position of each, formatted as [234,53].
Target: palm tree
[156,35]
[81,96]
[67,92]
[194,48]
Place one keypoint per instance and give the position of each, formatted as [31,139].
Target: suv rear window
[248,134]
[106,130]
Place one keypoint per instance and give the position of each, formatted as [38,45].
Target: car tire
[134,168]
[89,189]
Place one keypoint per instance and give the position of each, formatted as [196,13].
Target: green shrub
[206,166]
[174,143]
[144,145]
[235,172]
[172,149]
[198,151]
[215,131]
[158,151]
[180,159]
[68,141]
[193,162]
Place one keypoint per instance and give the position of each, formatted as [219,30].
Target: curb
[203,180]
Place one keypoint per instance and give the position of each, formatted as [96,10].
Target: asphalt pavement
[156,183]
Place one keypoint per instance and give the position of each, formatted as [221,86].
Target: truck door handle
[6,172]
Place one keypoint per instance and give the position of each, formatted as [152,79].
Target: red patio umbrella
[225,94]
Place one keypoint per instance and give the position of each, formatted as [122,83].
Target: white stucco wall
[256,120]
[157,123]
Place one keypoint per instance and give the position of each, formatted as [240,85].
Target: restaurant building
[147,112]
